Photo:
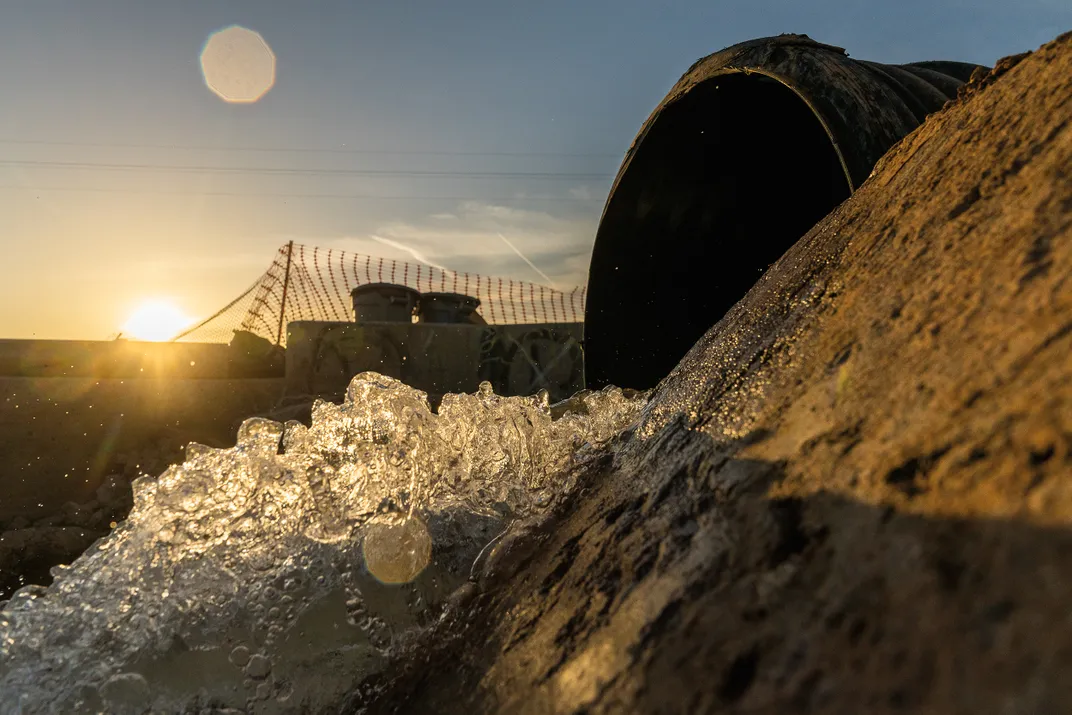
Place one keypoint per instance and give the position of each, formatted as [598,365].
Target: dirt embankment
[854,495]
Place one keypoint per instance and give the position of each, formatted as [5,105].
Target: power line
[395,173]
[106,190]
[307,150]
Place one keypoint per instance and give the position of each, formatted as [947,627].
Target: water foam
[274,576]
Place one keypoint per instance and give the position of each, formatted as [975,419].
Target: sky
[124,178]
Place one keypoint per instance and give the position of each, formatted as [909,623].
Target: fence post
[283,302]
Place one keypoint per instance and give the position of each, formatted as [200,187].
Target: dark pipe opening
[725,181]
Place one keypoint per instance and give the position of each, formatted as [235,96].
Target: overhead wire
[208,169]
[309,150]
[284,195]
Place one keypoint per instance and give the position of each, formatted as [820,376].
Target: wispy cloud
[417,256]
[503,240]
[484,238]
[529,263]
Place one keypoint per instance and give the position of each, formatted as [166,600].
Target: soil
[853,495]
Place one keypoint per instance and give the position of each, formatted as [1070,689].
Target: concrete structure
[436,357]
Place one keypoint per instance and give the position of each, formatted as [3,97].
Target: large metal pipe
[752,147]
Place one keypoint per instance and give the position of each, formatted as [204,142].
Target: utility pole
[283,303]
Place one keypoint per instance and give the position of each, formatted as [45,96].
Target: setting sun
[156,321]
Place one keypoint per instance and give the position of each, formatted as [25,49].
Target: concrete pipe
[752,147]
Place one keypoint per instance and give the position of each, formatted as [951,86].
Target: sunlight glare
[155,321]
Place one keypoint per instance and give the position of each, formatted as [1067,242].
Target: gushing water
[274,576]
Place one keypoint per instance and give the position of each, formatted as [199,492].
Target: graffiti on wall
[322,357]
[525,360]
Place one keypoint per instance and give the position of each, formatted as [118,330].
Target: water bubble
[125,693]
[356,612]
[379,633]
[239,656]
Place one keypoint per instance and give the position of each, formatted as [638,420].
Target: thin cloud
[417,256]
[474,239]
[530,264]
[582,193]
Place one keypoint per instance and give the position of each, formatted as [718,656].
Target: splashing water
[276,575]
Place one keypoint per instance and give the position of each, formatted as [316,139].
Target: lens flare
[397,552]
[238,65]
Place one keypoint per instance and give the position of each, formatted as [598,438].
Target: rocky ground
[855,493]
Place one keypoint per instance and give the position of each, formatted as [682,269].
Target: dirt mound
[853,495]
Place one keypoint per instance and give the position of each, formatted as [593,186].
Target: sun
[155,320]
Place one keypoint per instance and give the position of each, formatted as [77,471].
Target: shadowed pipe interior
[725,181]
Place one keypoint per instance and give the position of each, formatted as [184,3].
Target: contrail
[417,256]
[531,265]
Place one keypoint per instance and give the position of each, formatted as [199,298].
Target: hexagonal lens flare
[238,65]
[397,552]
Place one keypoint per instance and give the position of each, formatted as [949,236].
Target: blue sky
[552,87]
